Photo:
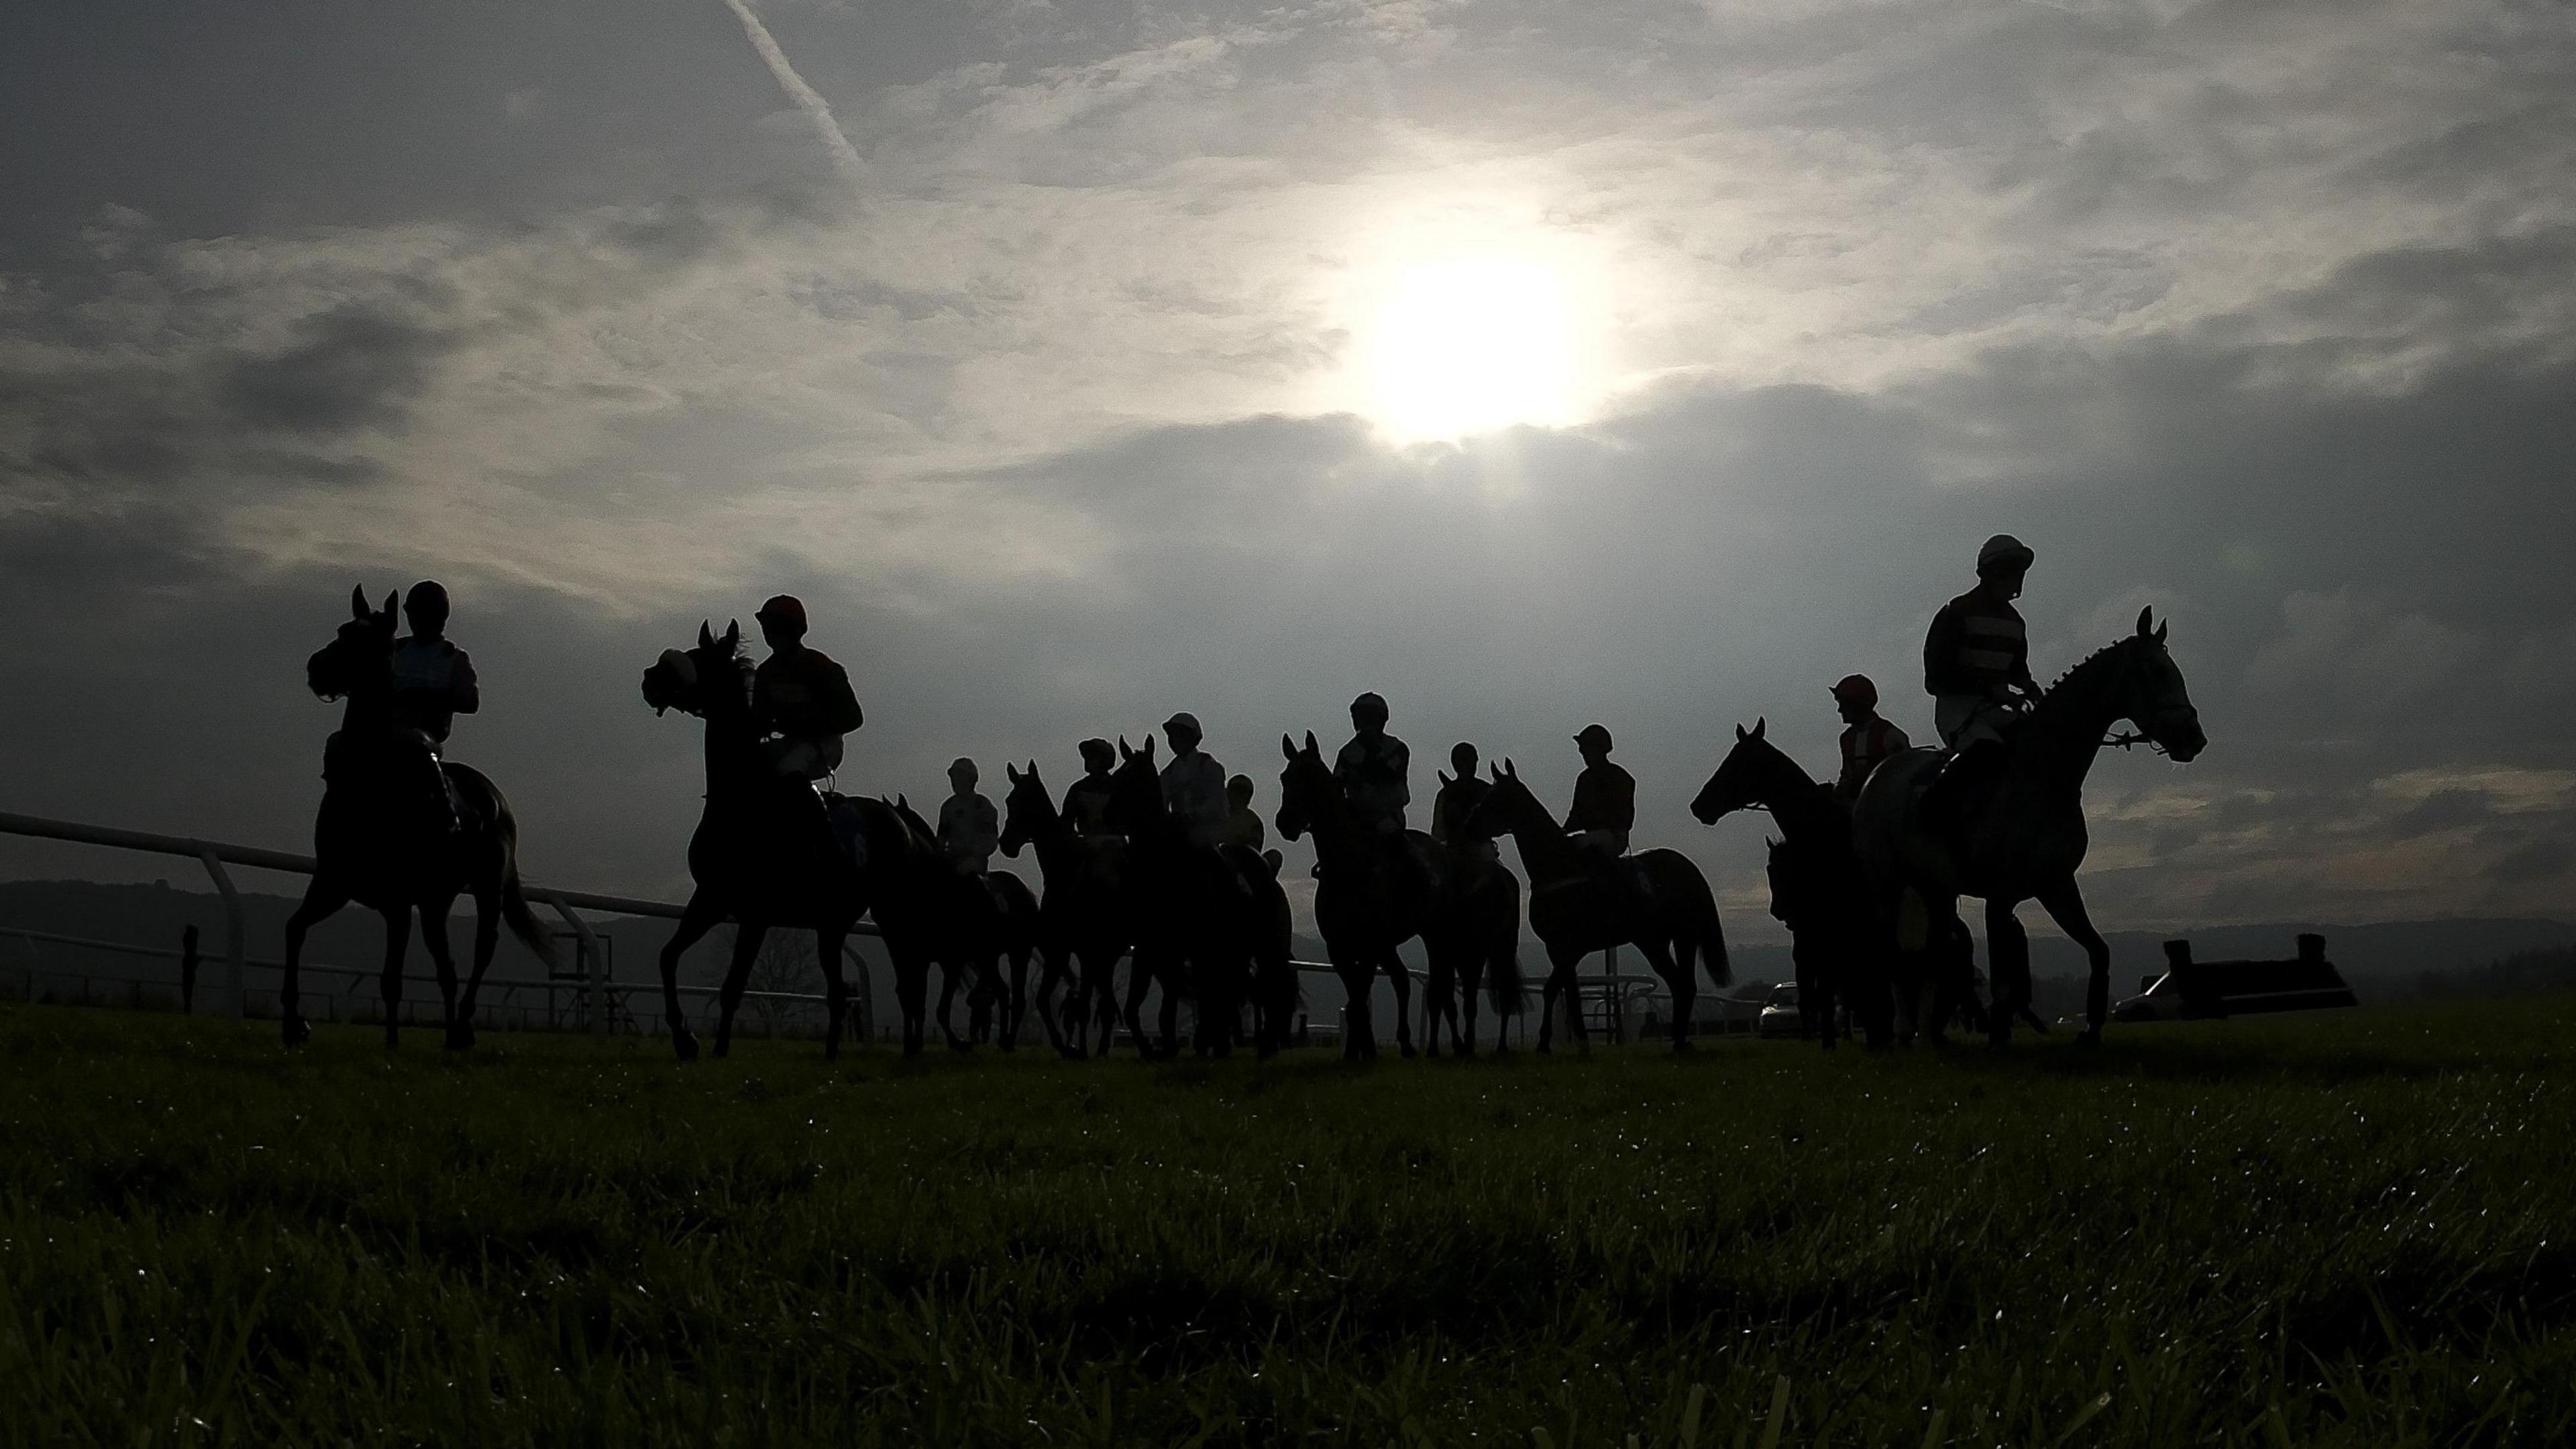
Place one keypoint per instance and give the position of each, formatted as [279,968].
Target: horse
[1656,900]
[764,854]
[377,839]
[1084,919]
[1211,924]
[2024,837]
[1475,932]
[1372,894]
[991,919]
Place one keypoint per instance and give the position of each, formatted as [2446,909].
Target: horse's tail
[515,912]
[1505,988]
[1710,931]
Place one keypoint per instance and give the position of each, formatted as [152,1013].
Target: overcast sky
[1530,363]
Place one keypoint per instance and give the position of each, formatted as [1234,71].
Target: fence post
[594,989]
[188,971]
[234,985]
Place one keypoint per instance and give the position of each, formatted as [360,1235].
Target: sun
[1470,343]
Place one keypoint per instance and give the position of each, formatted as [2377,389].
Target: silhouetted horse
[1084,917]
[2025,838]
[1377,891]
[1210,924]
[763,854]
[1579,904]
[380,841]
[991,919]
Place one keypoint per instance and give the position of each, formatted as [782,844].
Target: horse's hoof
[724,1048]
[1405,1050]
[1683,1044]
[296,1031]
[393,1040]
[2089,1037]
[460,1037]
[684,1043]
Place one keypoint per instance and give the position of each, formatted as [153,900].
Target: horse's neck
[1337,832]
[735,764]
[1544,848]
[1801,807]
[2064,732]
[1058,844]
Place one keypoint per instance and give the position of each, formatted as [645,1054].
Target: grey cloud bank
[2260,316]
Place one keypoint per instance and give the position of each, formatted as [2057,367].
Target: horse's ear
[733,634]
[1510,770]
[1287,749]
[1124,753]
[900,803]
[2145,621]
[2162,626]
[1740,735]
[1760,723]
[393,601]
[1010,772]
[358,602]
[1313,748]
[706,636]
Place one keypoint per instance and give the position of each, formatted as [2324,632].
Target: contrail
[844,155]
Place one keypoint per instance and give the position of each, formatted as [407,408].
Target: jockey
[1976,660]
[1460,794]
[1605,798]
[1976,664]
[1086,801]
[799,697]
[1193,783]
[1868,738]
[433,683]
[969,827]
[1371,769]
[1242,822]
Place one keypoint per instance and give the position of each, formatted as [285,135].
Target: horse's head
[1744,779]
[1507,807]
[1027,810]
[2153,696]
[1305,786]
[710,679]
[361,659]
[1135,804]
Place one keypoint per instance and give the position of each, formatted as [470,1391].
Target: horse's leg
[1676,963]
[321,899]
[1174,980]
[1141,972]
[1561,964]
[433,937]
[948,973]
[836,991]
[746,945]
[2064,902]
[2007,969]
[487,939]
[1050,977]
[397,942]
[1359,986]
[1015,1003]
[911,991]
[1399,977]
[697,918]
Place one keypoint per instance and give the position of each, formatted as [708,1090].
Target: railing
[595,990]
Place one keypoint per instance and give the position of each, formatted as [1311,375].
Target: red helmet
[1856,689]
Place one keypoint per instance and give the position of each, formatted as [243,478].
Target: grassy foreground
[2357,1230]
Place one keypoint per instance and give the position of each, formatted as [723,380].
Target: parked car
[1780,1016]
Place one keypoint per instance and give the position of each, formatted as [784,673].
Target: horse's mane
[2084,671]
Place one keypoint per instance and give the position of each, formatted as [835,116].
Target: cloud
[827,130]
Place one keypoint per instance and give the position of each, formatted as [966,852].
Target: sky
[1531,364]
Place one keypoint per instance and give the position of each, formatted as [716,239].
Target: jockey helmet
[1856,689]
[1186,721]
[1371,705]
[783,609]
[1097,752]
[1594,735]
[2003,553]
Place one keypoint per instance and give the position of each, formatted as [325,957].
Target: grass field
[2356,1229]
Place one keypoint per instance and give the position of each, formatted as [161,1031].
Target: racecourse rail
[594,988]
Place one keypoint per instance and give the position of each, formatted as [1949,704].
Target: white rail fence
[1615,993]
